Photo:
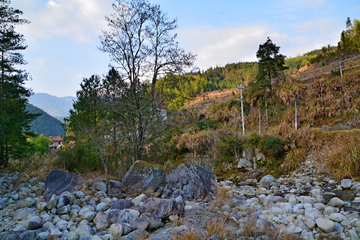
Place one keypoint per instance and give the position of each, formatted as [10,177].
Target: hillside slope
[45,124]
[328,123]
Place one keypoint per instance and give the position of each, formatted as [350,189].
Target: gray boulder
[59,181]
[122,204]
[128,228]
[154,220]
[169,233]
[119,216]
[196,182]
[162,208]
[144,178]
[139,223]
[266,181]
[135,235]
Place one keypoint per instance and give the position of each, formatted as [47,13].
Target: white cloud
[221,46]
[319,26]
[82,19]
[79,75]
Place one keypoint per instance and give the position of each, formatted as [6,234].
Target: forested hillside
[45,124]
[180,88]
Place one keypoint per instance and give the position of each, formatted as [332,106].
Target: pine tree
[14,120]
[270,62]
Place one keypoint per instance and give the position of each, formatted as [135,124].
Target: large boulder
[144,178]
[59,181]
[196,182]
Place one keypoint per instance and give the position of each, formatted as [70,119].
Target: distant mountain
[55,106]
[45,124]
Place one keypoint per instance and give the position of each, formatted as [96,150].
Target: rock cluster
[250,159]
[301,205]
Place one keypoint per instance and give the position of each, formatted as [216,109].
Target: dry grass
[222,196]
[294,159]
[216,226]
[344,157]
[203,102]
[198,143]
[35,166]
[250,226]
[189,234]
[93,175]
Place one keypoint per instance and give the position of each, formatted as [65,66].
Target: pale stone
[325,225]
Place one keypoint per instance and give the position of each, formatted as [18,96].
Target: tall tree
[141,42]
[14,120]
[270,62]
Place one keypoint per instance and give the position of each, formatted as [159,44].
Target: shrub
[272,147]
[254,139]
[228,145]
[207,124]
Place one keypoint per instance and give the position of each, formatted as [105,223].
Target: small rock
[336,202]
[34,225]
[325,225]
[116,230]
[337,217]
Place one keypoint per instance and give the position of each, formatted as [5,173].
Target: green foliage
[207,124]
[14,120]
[254,139]
[335,73]
[350,38]
[229,146]
[272,147]
[45,124]
[41,144]
[181,88]
[79,157]
[270,62]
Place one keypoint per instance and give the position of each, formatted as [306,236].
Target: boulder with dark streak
[59,181]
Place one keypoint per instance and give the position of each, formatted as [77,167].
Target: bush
[207,124]
[255,139]
[79,156]
[228,145]
[272,147]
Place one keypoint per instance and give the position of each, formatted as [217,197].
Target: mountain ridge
[57,107]
[45,124]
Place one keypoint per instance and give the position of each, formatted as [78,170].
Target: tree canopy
[14,119]
[142,44]
[270,62]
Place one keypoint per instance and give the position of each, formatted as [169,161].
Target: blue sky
[63,35]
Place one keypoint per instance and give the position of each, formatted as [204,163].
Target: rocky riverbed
[148,204]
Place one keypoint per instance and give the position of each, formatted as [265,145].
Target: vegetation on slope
[45,124]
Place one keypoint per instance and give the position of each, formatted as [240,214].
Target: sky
[63,37]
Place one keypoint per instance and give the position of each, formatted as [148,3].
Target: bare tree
[141,43]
